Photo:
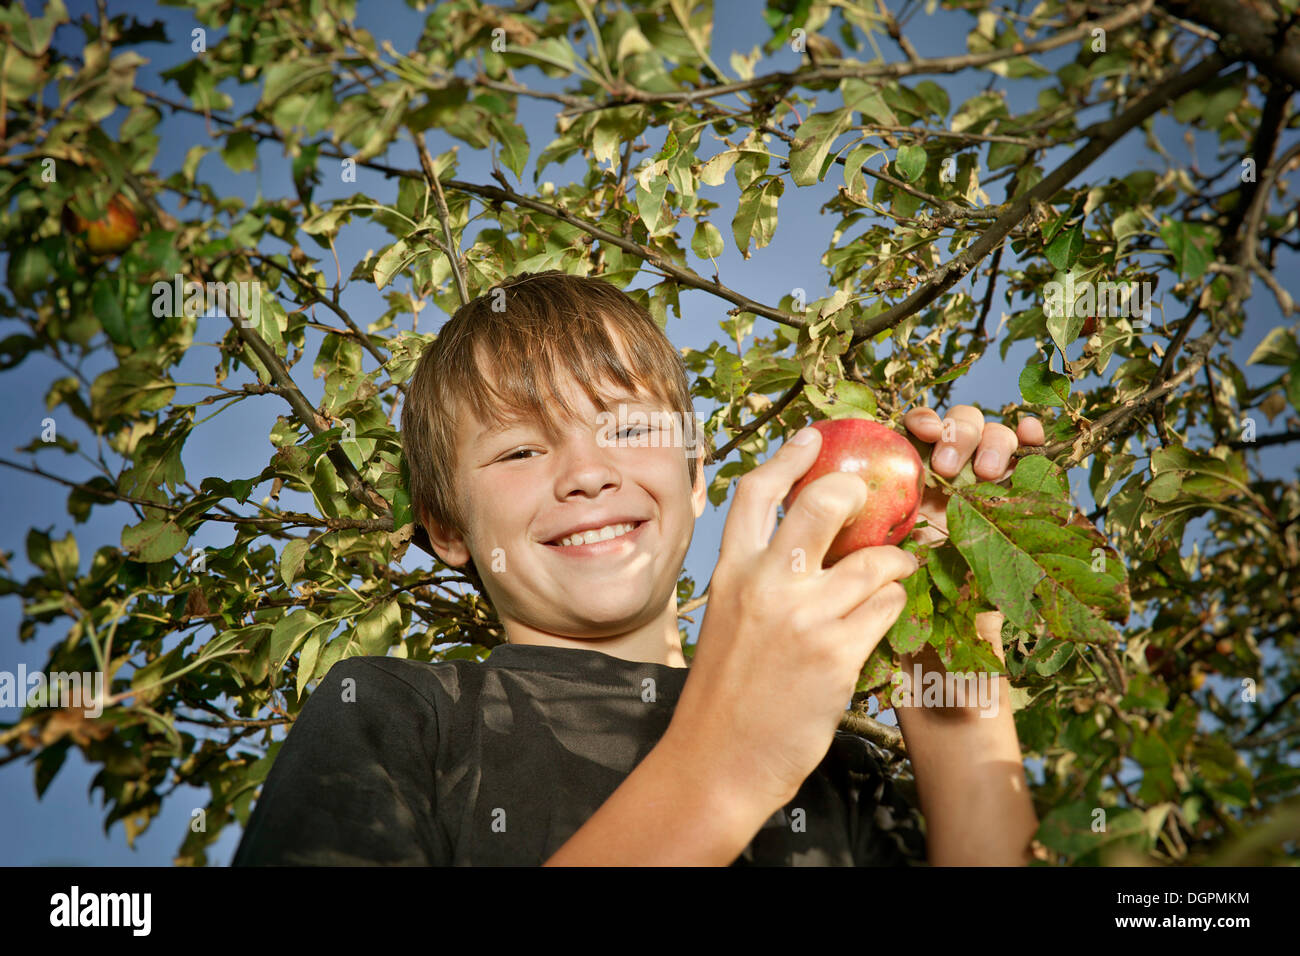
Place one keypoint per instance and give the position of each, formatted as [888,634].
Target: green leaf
[856,398]
[1050,655]
[380,628]
[326,222]
[1064,250]
[153,540]
[1039,385]
[756,215]
[1192,246]
[650,192]
[1037,473]
[912,629]
[948,570]
[707,241]
[714,170]
[910,162]
[1278,348]
[1030,560]
[240,152]
[1106,471]
[853,163]
[514,144]
[292,558]
[29,271]
[812,141]
[288,633]
[137,384]
[935,96]
[109,312]
[1201,475]
[865,98]
[393,260]
[877,670]
[308,658]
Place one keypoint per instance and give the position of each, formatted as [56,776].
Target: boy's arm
[970,775]
[674,809]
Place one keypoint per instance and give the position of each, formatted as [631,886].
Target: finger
[752,515]
[868,623]
[988,626]
[820,512]
[1030,431]
[924,423]
[959,437]
[995,450]
[862,573]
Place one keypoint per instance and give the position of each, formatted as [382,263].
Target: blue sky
[66,826]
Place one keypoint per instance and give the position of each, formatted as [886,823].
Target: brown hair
[527,329]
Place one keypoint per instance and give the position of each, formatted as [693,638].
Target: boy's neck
[656,643]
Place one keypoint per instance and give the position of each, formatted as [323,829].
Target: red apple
[110,235]
[889,465]
[1089,326]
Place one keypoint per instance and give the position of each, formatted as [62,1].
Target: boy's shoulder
[431,680]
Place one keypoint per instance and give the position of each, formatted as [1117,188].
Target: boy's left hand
[960,436]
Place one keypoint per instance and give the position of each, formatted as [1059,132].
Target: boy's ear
[699,494]
[449,546]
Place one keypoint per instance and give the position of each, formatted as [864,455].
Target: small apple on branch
[109,236]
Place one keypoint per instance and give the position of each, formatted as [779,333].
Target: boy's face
[522,492]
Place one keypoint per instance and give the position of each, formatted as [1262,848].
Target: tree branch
[1254,30]
[1263,441]
[1101,137]
[777,407]
[451,250]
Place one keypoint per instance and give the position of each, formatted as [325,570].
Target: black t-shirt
[460,762]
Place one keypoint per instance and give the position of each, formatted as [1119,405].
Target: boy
[581,740]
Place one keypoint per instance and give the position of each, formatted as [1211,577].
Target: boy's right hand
[780,649]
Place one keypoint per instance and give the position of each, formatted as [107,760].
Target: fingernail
[987,461]
[804,436]
[946,458]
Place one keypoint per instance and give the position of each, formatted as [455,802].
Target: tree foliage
[1188,565]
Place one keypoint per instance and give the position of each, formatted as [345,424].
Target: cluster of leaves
[206,659]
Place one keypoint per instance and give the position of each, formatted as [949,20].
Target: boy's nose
[586,467]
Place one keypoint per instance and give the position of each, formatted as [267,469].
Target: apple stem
[943,481]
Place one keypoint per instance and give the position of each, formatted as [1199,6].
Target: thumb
[988,627]
[752,516]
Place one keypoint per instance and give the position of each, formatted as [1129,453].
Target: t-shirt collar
[584,663]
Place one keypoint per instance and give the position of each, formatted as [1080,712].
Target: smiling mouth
[596,535]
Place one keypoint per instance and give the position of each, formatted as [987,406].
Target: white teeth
[597,534]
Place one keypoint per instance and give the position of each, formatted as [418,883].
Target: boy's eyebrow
[507,423]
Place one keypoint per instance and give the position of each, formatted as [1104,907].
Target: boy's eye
[517,451]
[634,428]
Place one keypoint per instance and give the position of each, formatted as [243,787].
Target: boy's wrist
[702,771]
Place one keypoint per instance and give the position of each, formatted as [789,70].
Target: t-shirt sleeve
[353,783]
[887,829]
